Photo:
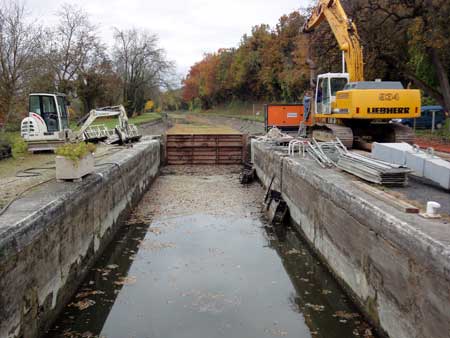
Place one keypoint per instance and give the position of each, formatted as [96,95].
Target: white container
[432,209]
[67,169]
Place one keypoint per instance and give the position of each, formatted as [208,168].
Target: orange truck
[286,117]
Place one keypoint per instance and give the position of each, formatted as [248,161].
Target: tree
[72,47]
[268,65]
[19,47]
[172,100]
[98,85]
[142,66]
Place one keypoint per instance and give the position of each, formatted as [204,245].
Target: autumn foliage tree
[403,40]
[267,65]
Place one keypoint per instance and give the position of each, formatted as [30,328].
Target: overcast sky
[186,28]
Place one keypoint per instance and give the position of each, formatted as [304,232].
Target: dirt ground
[436,145]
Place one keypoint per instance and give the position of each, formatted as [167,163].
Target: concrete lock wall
[390,262]
[50,239]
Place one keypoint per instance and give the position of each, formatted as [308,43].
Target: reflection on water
[210,267]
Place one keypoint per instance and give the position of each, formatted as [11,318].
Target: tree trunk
[442,76]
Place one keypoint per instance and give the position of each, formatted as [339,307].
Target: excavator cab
[327,87]
[52,108]
[47,124]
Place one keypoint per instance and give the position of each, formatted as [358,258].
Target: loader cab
[51,109]
[327,87]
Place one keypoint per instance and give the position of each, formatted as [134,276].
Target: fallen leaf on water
[276,332]
[83,304]
[293,252]
[345,315]
[368,333]
[112,266]
[104,272]
[89,293]
[315,307]
[126,280]
[155,230]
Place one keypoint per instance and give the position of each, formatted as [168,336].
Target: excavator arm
[345,33]
[123,133]
[104,112]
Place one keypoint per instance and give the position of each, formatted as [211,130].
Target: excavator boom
[124,132]
[345,33]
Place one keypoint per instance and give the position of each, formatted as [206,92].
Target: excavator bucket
[98,133]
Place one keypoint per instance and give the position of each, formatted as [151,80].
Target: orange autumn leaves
[269,64]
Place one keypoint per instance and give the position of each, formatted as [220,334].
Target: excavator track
[383,132]
[329,132]
[401,133]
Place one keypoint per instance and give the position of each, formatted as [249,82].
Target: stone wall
[51,237]
[395,265]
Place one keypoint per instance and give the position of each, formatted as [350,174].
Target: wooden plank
[387,198]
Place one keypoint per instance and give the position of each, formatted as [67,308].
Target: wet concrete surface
[198,259]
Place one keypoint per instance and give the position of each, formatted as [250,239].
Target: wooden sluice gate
[205,149]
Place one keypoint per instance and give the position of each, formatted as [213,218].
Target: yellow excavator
[348,107]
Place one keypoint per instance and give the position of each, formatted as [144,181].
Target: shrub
[75,151]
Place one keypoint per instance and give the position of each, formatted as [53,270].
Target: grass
[194,124]
[111,122]
[19,147]
[442,134]
[239,110]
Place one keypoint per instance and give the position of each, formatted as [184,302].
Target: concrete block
[66,169]
[416,162]
[438,170]
[391,152]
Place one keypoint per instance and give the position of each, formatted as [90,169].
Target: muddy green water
[197,259]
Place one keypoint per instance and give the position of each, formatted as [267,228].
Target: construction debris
[335,154]
[326,154]
[374,171]
[276,208]
[248,173]
[276,136]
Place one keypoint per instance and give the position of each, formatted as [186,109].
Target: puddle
[197,259]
